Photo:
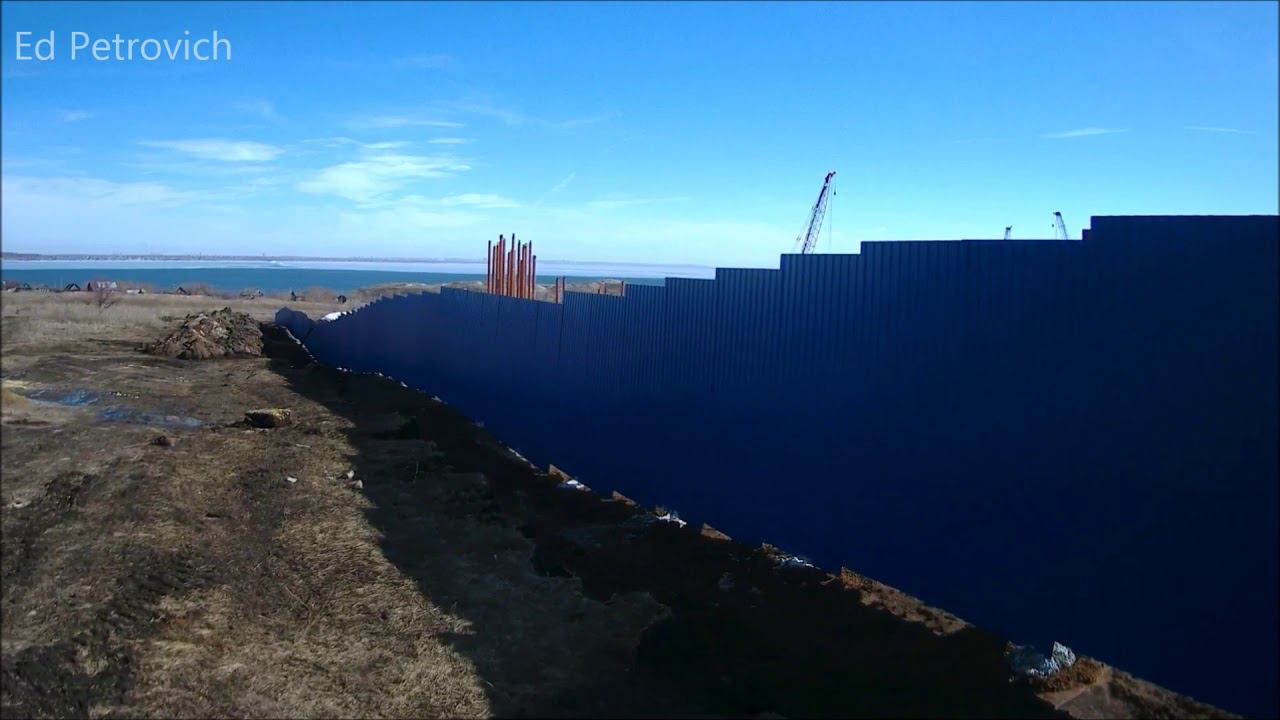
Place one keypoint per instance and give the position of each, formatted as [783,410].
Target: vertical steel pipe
[511,265]
[519,278]
[497,264]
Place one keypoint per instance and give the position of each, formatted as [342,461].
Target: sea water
[283,276]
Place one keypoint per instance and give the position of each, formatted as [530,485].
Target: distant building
[71,287]
[183,291]
[91,286]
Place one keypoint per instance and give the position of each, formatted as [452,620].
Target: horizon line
[13,255]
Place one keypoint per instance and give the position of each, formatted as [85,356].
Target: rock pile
[222,333]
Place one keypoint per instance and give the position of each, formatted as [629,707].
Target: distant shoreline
[134,257]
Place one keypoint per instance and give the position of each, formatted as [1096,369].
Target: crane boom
[1059,227]
[808,239]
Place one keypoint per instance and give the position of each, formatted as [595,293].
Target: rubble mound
[222,333]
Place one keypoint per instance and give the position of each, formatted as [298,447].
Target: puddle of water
[113,413]
[117,413]
[76,398]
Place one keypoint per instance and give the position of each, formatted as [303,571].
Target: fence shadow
[738,635]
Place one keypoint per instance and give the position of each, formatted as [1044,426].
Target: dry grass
[41,319]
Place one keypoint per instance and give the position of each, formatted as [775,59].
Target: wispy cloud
[218,149]
[425,62]
[451,141]
[70,192]
[513,117]
[1233,131]
[556,188]
[262,108]
[582,121]
[75,115]
[372,178]
[339,141]
[397,121]
[485,108]
[479,200]
[1084,132]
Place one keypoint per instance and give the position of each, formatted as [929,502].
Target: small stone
[291,480]
[164,441]
[351,474]
[269,417]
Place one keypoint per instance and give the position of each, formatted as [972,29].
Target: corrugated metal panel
[1041,436]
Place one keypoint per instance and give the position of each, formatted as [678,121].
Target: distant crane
[808,239]
[1059,227]
[1008,231]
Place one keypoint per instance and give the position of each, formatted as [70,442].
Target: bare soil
[382,555]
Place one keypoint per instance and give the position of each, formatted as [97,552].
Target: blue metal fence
[1060,440]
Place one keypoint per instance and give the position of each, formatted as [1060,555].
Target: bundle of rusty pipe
[512,270]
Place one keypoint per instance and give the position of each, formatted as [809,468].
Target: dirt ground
[384,556]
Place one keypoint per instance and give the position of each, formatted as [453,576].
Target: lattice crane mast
[1059,227]
[808,239]
[1008,231]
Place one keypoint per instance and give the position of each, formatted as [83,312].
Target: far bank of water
[284,279]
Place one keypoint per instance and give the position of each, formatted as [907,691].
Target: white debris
[290,479]
[672,517]
[351,474]
[572,484]
[332,316]
[794,561]
[1028,661]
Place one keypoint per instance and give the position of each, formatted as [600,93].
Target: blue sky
[670,133]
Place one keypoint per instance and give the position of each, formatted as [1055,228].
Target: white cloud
[59,213]
[450,141]
[263,108]
[396,121]
[25,190]
[216,149]
[1234,131]
[75,115]
[339,141]
[487,109]
[1083,132]
[371,178]
[583,121]
[480,200]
